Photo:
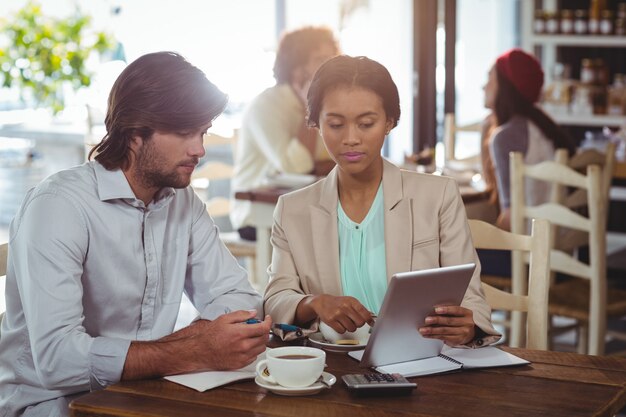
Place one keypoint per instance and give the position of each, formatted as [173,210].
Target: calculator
[378,384]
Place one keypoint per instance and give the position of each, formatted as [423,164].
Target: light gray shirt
[91,268]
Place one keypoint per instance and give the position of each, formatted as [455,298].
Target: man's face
[168,159]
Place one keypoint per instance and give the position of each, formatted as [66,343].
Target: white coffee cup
[292,366]
[361,334]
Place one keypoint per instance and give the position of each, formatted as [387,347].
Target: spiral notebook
[449,360]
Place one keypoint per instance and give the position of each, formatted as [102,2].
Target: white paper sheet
[202,381]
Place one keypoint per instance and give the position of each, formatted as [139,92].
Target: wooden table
[263,200]
[555,384]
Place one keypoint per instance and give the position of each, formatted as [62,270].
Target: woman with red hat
[516,124]
[513,88]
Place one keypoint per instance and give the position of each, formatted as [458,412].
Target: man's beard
[149,170]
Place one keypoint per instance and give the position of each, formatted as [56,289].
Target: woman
[337,243]
[513,88]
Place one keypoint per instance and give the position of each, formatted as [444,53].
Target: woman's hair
[347,71]
[509,102]
[157,92]
[296,47]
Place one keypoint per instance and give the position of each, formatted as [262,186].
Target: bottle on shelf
[552,23]
[558,94]
[539,24]
[580,22]
[606,22]
[595,9]
[616,96]
[582,100]
[600,86]
[567,22]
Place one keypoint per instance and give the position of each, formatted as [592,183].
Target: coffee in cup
[292,366]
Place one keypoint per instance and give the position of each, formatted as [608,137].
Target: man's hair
[157,92]
[296,47]
[347,71]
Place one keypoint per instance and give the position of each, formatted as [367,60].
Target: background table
[555,384]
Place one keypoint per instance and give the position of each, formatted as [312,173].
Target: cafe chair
[218,206]
[577,199]
[584,296]
[452,133]
[535,303]
[4,253]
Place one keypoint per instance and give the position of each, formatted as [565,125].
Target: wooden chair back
[535,303]
[450,131]
[560,214]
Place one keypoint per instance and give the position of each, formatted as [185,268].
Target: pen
[286,327]
[253,321]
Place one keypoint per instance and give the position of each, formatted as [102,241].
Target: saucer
[310,390]
[317,340]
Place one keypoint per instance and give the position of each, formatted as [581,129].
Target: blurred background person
[518,125]
[274,136]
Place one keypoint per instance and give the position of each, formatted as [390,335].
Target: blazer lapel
[398,222]
[326,237]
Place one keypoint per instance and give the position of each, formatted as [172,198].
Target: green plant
[39,54]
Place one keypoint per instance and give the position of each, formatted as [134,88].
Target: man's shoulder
[73,180]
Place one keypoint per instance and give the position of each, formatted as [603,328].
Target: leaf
[51,46]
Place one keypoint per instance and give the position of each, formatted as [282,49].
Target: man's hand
[229,343]
[341,313]
[225,343]
[452,324]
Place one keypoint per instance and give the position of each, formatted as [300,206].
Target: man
[100,254]
[273,136]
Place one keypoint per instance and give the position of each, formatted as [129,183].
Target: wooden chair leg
[583,339]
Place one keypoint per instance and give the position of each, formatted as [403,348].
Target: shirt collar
[113,185]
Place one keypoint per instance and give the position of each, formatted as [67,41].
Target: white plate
[317,340]
[310,390]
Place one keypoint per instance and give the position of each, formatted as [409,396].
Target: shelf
[593,120]
[579,40]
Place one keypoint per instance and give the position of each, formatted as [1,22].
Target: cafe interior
[570,294]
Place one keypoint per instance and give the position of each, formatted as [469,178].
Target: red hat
[523,71]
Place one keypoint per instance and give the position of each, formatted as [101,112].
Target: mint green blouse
[362,259]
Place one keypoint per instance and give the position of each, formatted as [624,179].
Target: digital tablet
[410,297]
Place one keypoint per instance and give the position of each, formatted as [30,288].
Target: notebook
[449,360]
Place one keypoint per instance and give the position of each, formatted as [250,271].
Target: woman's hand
[452,324]
[341,313]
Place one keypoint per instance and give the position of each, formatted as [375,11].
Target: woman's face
[491,89]
[353,124]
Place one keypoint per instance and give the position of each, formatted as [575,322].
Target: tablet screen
[410,297]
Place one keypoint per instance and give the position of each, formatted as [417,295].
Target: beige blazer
[425,227]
